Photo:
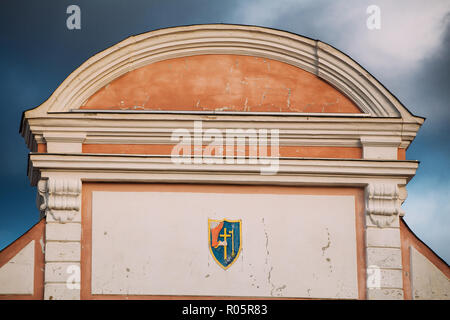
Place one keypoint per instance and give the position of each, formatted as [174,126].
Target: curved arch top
[221,83]
[313,56]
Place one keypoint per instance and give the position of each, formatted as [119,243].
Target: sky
[409,55]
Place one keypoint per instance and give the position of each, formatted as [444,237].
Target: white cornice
[148,168]
[157,128]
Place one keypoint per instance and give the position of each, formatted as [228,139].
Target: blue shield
[225,241]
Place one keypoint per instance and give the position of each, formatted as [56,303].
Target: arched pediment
[304,62]
[227,83]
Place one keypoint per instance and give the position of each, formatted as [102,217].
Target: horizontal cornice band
[163,165]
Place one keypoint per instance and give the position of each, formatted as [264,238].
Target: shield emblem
[225,241]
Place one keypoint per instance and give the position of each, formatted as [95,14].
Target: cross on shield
[225,241]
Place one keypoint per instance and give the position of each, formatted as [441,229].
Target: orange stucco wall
[42,148]
[221,83]
[284,151]
[401,154]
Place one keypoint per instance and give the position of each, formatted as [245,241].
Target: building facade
[221,161]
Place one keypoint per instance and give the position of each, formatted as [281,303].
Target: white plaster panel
[64,142]
[385,294]
[17,275]
[380,152]
[384,257]
[60,271]
[60,291]
[391,278]
[157,243]
[383,237]
[428,282]
[63,232]
[64,147]
[62,251]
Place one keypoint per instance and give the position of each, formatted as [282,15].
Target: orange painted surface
[86,225]
[42,148]
[36,233]
[408,240]
[401,154]
[284,151]
[221,83]
[215,235]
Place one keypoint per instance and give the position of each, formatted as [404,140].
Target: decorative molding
[152,168]
[42,197]
[75,128]
[402,195]
[64,142]
[380,147]
[383,203]
[59,197]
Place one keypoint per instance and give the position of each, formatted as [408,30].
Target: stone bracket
[383,203]
[60,198]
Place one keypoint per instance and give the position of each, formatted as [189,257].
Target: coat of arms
[225,240]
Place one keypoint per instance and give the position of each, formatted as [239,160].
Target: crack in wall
[328,244]
[289,98]
[269,276]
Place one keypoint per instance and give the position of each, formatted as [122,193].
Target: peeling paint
[269,280]
[280,289]
[269,276]
[289,98]
[222,109]
[41,242]
[328,244]
[205,77]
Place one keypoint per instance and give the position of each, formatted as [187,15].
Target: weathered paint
[32,240]
[410,242]
[428,282]
[401,154]
[225,241]
[42,148]
[16,276]
[284,151]
[221,83]
[266,227]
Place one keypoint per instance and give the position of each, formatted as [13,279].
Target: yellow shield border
[240,241]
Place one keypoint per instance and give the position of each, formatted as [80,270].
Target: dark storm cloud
[409,55]
[37,52]
[429,92]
